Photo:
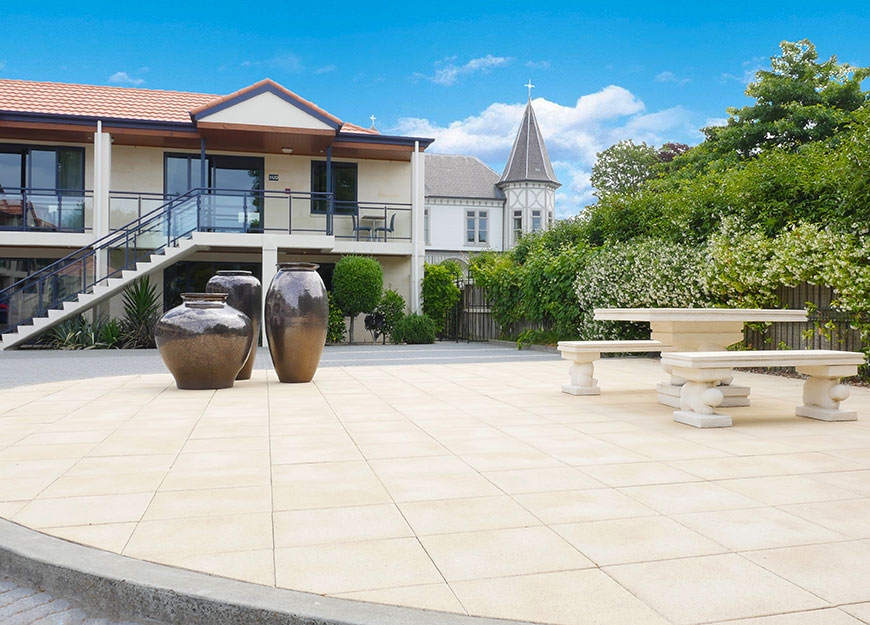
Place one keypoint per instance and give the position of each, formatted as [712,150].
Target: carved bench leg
[581,371]
[699,397]
[823,393]
[669,392]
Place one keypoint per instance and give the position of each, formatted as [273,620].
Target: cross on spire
[373,118]
[530,86]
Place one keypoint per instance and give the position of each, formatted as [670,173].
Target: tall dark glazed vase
[204,342]
[243,293]
[297,313]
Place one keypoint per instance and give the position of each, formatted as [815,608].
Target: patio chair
[386,229]
[357,228]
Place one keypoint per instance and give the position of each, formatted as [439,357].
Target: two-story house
[101,185]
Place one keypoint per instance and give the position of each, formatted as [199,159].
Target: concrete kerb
[126,588]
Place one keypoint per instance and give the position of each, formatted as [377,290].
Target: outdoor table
[695,330]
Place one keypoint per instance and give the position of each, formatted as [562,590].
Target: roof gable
[266,103]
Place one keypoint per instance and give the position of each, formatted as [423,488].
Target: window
[476,226]
[344,186]
[53,181]
[426,240]
[518,225]
[536,221]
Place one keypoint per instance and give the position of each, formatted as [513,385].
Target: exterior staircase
[152,242]
[100,293]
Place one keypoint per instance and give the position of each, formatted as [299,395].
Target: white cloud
[123,78]
[573,135]
[671,77]
[447,72]
[2,64]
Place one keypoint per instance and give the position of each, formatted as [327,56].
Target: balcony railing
[45,210]
[280,212]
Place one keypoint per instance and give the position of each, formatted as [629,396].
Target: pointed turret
[528,181]
[529,161]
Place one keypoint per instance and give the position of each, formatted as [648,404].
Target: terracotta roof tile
[22,96]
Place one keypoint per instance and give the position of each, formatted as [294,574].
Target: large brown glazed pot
[204,342]
[297,313]
[243,293]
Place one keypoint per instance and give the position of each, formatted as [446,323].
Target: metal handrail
[125,238]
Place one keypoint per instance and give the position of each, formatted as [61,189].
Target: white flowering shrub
[638,274]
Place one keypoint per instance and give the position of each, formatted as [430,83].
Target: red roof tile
[23,96]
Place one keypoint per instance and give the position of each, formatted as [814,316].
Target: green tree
[797,101]
[623,168]
[356,286]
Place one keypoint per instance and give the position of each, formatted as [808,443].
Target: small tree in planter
[356,286]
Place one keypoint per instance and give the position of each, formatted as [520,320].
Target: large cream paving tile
[537,480]
[830,616]
[582,505]
[144,481]
[336,525]
[326,448]
[108,536]
[38,452]
[95,509]
[466,515]
[502,552]
[760,465]
[857,482]
[859,610]
[255,566]
[560,598]
[638,474]
[326,485]
[837,572]
[207,534]
[621,541]
[9,508]
[711,588]
[209,502]
[790,489]
[757,528]
[425,597]
[848,517]
[413,449]
[688,497]
[355,566]
[92,466]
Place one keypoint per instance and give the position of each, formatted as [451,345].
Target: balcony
[276,212]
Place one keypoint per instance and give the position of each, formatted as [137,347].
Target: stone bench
[583,354]
[704,371]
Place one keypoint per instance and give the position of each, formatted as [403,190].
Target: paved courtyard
[454,485]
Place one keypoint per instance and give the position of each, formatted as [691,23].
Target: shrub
[440,293]
[415,330]
[335,329]
[382,321]
[356,286]
[142,308]
[79,333]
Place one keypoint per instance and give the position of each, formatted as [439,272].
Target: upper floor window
[517,225]
[476,226]
[44,185]
[426,226]
[345,181]
[537,223]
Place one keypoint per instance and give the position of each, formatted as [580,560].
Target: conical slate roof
[529,160]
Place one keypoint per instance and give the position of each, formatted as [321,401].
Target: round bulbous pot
[244,293]
[204,342]
[295,319]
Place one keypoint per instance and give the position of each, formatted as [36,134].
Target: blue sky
[454,71]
